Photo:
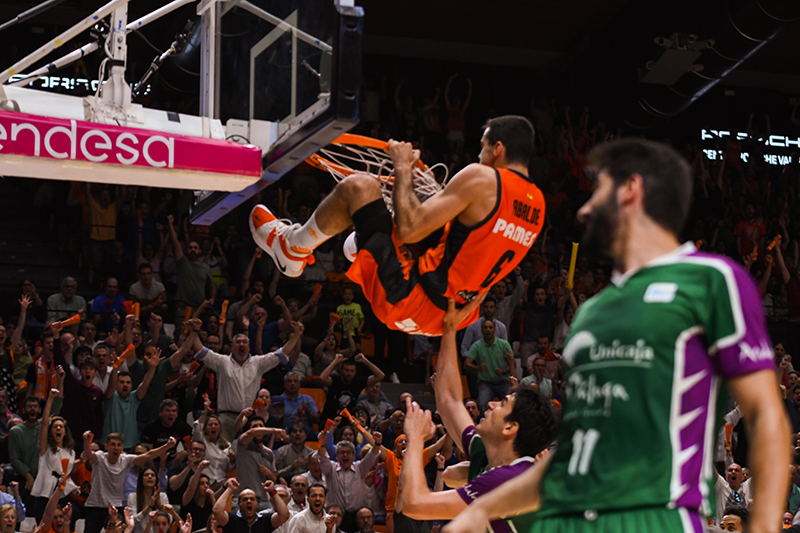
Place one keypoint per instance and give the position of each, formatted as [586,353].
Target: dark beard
[192,256]
[601,227]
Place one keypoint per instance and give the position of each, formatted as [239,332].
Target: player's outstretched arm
[416,220]
[447,385]
[765,418]
[419,502]
[517,495]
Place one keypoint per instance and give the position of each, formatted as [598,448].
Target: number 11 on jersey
[583,444]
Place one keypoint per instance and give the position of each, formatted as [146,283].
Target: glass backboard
[294,63]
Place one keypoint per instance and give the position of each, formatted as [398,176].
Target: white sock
[308,236]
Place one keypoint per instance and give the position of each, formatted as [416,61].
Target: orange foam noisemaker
[127,353]
[65,468]
[335,318]
[317,291]
[258,403]
[350,417]
[193,367]
[136,309]
[187,441]
[91,437]
[323,434]
[223,313]
[774,243]
[75,319]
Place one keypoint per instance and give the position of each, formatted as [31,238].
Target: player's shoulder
[474,173]
[706,269]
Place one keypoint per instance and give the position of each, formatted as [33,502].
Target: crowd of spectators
[195,372]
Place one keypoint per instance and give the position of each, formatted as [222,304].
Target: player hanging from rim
[644,363]
[490,214]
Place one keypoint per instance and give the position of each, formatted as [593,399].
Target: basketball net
[352,154]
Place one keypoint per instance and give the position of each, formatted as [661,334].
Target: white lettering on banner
[755,353]
[125,148]
[71,135]
[65,140]
[170,144]
[58,82]
[514,233]
[777,141]
[16,128]
[61,142]
[105,146]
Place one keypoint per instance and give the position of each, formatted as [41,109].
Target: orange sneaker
[269,232]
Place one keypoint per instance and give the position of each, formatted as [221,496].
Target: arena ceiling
[568,38]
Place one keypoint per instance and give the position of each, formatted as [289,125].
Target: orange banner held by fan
[223,313]
[127,353]
[71,321]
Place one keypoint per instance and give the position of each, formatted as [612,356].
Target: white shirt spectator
[724,492]
[219,462]
[346,488]
[102,381]
[142,293]
[238,384]
[140,518]
[306,522]
[108,480]
[312,480]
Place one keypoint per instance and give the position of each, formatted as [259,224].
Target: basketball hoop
[356,154]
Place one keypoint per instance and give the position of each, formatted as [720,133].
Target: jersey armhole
[491,213]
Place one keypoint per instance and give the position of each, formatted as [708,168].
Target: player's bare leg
[291,246]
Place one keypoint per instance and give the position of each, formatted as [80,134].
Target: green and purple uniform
[644,365]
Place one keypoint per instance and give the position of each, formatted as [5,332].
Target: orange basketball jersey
[411,295]
[468,260]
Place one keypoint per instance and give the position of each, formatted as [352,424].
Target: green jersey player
[644,367]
